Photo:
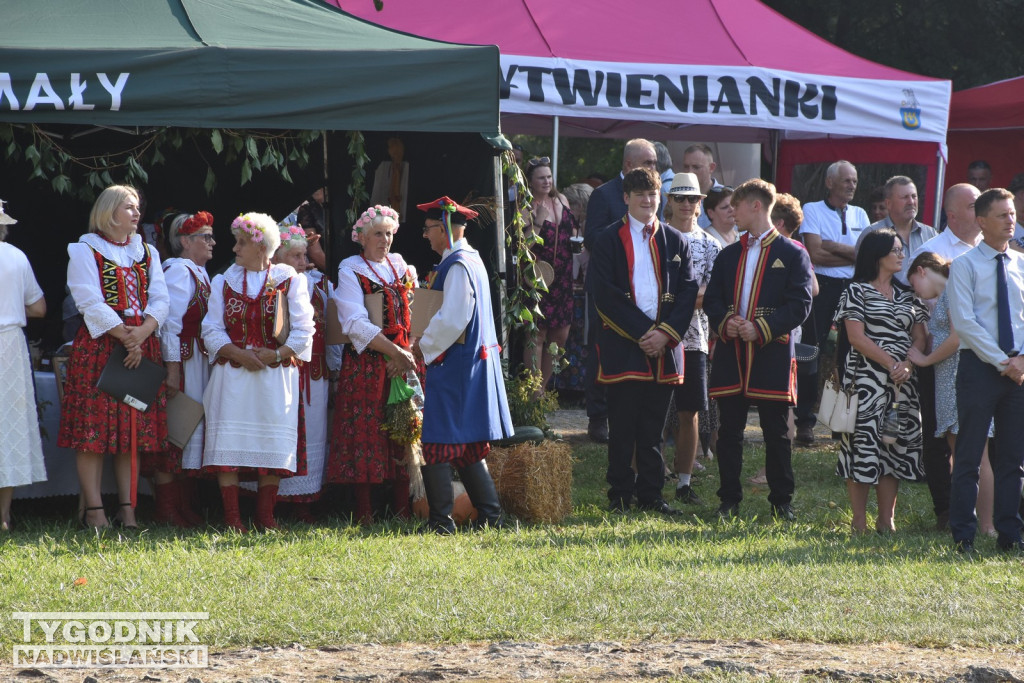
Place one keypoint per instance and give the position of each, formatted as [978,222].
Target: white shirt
[20,287]
[945,244]
[180,288]
[84,282]
[753,252]
[456,310]
[821,220]
[300,311]
[645,284]
[351,301]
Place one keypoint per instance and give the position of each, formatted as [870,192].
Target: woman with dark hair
[718,206]
[882,322]
[927,275]
[551,219]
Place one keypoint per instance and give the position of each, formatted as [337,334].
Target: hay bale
[534,482]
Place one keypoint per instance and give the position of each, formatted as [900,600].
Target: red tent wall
[986,123]
[793,153]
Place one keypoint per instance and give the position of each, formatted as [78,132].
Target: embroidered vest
[250,321]
[192,322]
[396,318]
[123,287]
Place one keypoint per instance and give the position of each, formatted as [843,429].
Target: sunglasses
[540,161]
[205,237]
[689,198]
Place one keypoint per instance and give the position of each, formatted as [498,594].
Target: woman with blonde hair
[118,285]
[254,427]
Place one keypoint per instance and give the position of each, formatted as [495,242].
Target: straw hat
[5,219]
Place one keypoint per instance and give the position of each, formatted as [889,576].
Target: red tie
[648,231]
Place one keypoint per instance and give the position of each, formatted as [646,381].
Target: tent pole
[940,181]
[554,152]
[500,197]
[327,214]
[774,136]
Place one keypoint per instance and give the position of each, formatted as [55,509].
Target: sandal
[118,522]
[85,512]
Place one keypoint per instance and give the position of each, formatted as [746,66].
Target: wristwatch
[277,353]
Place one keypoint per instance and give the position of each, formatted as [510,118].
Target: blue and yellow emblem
[910,110]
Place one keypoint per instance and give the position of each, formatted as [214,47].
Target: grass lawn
[594,577]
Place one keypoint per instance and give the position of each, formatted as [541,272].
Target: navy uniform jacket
[780,301]
[622,323]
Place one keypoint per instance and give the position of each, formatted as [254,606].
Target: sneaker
[686,495]
[728,511]
[784,512]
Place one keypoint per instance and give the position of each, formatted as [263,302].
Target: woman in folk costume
[118,285]
[21,450]
[190,240]
[362,454]
[253,415]
[314,379]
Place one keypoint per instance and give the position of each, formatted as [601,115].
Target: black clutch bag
[137,387]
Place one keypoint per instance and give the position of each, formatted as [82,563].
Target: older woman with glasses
[190,239]
[553,221]
[883,323]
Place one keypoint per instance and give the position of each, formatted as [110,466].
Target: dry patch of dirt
[603,661]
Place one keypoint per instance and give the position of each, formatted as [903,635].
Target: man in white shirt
[830,231]
[962,232]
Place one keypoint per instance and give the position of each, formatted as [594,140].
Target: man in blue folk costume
[760,290]
[465,406]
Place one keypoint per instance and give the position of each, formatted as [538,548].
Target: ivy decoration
[522,305]
[357,184]
[52,160]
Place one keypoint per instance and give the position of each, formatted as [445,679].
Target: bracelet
[277,353]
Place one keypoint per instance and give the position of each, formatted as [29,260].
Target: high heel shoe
[86,525]
[119,523]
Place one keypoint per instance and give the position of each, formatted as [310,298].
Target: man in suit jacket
[607,207]
[644,291]
[760,290]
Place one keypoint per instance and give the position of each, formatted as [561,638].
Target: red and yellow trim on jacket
[656,373]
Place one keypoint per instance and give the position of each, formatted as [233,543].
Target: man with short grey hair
[699,160]
[901,201]
[830,230]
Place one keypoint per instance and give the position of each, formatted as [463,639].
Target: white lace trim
[380,273]
[113,252]
[236,274]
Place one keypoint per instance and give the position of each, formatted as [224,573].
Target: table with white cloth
[61,471]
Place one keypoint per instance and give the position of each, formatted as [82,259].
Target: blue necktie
[1003,306]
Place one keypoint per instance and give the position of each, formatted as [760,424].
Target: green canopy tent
[292,64]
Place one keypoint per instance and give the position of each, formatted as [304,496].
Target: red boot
[364,512]
[168,502]
[303,513]
[266,496]
[400,499]
[187,492]
[232,518]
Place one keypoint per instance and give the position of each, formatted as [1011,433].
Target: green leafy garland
[522,305]
[357,185]
[52,161]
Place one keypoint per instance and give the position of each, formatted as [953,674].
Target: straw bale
[534,481]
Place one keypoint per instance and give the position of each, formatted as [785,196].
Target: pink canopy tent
[725,70]
[986,123]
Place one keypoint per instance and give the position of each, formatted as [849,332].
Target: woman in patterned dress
[882,323]
[927,275]
[314,378]
[254,426]
[118,285]
[552,220]
[361,453]
[21,450]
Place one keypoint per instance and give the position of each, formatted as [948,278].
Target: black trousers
[778,464]
[636,416]
[983,394]
[935,449]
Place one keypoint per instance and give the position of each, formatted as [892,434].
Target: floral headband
[255,225]
[370,216]
[292,235]
[192,224]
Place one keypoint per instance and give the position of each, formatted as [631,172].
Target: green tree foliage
[967,42]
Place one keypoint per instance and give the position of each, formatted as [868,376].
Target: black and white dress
[863,456]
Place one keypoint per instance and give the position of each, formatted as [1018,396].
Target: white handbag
[839,406]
